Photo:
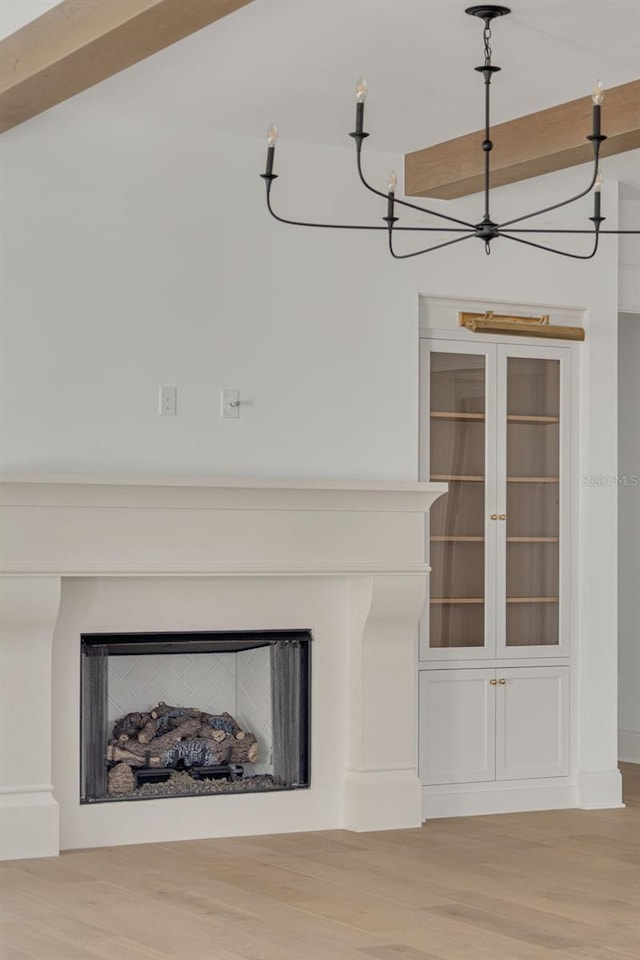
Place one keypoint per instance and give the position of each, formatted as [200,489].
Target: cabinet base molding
[477,799]
[599,790]
[629,746]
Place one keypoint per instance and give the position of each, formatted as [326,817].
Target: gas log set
[148,748]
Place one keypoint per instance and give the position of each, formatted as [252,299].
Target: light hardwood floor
[563,885]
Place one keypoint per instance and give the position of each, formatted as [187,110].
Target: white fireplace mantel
[345,559]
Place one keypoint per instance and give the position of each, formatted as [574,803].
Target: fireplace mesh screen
[93,723]
[288,722]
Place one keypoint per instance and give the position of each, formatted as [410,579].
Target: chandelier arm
[405,203]
[356,226]
[562,253]
[406,256]
[552,230]
[555,206]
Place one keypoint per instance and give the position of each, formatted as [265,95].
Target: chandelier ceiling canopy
[487,229]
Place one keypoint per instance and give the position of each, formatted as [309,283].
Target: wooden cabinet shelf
[457,599]
[479,417]
[481,600]
[533,539]
[457,539]
[449,477]
[529,418]
[435,477]
[455,415]
[481,539]
[533,479]
[532,599]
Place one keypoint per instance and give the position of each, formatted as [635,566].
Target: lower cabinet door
[532,722]
[457,726]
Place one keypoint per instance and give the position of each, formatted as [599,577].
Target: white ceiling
[15,13]
[295,63]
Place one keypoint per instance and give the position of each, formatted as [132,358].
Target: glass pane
[457,456]
[533,501]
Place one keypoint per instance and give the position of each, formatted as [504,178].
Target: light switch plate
[167,401]
[230,404]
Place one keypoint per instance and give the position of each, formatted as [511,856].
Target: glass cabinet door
[529,470]
[457,454]
[496,430]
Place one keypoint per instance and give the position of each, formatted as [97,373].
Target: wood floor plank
[460,941]
[590,953]
[396,951]
[512,927]
[630,784]
[8,953]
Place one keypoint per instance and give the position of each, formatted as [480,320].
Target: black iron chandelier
[487,229]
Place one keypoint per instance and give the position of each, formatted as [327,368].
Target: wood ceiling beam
[540,143]
[78,43]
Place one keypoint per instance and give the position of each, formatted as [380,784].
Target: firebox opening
[194,713]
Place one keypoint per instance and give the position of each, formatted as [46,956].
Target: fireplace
[237,720]
[89,557]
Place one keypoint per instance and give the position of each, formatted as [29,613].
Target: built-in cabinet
[509,723]
[496,422]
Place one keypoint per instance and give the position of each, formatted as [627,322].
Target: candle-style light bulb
[361,90]
[392,183]
[361,95]
[597,218]
[597,94]
[272,139]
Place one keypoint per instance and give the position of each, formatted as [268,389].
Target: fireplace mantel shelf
[391,486]
[142,526]
[215,493]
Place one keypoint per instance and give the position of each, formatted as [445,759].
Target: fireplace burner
[223,771]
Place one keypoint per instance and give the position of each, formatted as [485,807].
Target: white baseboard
[599,790]
[477,799]
[29,823]
[381,800]
[629,746]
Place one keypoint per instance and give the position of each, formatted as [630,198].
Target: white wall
[629,538]
[141,256]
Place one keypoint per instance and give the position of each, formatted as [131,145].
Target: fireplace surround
[87,555]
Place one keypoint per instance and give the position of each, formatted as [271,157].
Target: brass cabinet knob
[493,682]
[494,516]
[502,516]
[502,680]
